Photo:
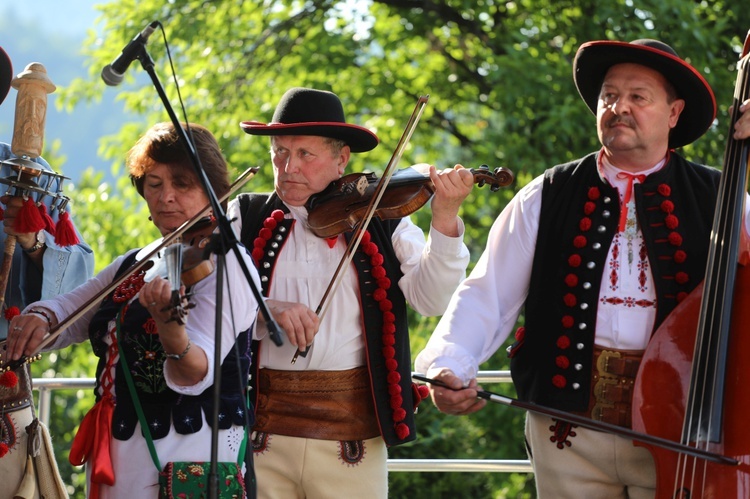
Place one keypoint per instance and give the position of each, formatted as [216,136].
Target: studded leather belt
[325,405]
[612,383]
[18,396]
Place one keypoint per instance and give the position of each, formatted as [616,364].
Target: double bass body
[660,402]
[693,385]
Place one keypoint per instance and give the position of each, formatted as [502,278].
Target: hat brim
[359,139]
[594,59]
[6,74]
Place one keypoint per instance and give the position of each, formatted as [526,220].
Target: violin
[186,261]
[342,205]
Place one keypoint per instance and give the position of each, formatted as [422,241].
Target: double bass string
[705,409]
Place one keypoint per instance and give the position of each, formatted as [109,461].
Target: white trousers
[293,467]
[596,465]
[13,464]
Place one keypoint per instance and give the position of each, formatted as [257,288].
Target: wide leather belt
[612,383]
[18,396]
[325,405]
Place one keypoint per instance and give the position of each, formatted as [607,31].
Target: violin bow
[354,242]
[136,267]
[591,424]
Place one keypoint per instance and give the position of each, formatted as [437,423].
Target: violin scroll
[499,177]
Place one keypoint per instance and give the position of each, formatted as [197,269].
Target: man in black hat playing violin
[597,252]
[323,422]
[40,268]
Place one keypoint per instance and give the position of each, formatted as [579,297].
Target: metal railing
[45,387]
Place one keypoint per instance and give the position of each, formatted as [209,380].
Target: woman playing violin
[169,361]
[359,350]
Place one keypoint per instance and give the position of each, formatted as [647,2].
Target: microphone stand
[227,239]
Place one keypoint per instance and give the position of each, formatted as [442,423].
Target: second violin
[343,204]
[185,262]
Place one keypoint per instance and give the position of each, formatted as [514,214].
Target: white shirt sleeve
[65,305]
[239,311]
[432,270]
[486,305]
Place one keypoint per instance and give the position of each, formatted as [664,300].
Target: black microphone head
[111,77]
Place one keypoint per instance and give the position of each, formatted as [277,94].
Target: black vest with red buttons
[389,364]
[551,360]
[163,408]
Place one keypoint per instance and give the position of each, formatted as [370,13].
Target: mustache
[616,120]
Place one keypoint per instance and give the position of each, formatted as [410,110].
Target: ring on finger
[152,304]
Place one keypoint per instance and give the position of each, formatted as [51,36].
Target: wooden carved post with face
[33,85]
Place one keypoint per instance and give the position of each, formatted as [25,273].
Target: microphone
[112,74]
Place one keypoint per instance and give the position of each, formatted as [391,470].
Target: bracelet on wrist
[41,313]
[179,356]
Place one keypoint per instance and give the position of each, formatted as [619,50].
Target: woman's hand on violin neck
[452,186]
[298,321]
[25,333]
[192,367]
[156,297]
[167,306]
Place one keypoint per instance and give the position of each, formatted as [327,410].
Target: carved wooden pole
[33,85]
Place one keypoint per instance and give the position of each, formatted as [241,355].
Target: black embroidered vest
[551,360]
[255,209]
[162,406]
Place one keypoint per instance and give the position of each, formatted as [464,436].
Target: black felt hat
[6,74]
[306,111]
[593,59]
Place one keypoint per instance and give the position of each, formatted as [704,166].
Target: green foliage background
[499,78]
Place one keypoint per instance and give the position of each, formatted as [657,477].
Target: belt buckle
[602,362]
[597,412]
[600,388]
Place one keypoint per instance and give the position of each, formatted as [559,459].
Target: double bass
[692,385]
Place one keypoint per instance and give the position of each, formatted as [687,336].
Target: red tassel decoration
[65,233]
[402,431]
[8,379]
[11,312]
[49,224]
[3,449]
[29,219]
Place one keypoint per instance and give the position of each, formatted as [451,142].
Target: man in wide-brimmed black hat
[597,252]
[351,395]
[40,268]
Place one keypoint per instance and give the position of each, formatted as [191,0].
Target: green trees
[499,76]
